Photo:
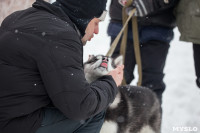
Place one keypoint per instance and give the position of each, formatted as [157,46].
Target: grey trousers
[55,122]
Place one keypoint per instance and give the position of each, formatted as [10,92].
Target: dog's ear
[90,57]
[118,60]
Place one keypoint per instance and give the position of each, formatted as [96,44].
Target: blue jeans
[55,122]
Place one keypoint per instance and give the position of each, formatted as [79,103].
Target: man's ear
[118,60]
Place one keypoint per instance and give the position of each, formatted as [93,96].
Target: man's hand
[123,2]
[92,28]
[117,74]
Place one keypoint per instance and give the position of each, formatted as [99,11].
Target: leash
[115,42]
[124,40]
[136,46]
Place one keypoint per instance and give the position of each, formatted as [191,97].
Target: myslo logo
[185,129]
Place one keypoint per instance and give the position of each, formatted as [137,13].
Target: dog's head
[100,65]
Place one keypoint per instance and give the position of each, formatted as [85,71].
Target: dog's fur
[134,110]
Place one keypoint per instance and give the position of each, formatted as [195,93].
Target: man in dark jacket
[156,22]
[42,83]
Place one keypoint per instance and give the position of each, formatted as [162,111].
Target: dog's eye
[92,60]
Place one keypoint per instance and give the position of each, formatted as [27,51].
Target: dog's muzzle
[104,64]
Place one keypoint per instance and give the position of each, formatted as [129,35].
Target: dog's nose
[105,59]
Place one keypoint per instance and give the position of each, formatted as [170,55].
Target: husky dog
[134,110]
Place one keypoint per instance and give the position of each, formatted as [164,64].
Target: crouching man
[42,84]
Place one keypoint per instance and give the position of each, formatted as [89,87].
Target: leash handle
[115,42]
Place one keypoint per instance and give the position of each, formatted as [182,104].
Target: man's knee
[100,116]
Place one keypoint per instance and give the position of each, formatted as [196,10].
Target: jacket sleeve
[61,68]
[160,5]
[146,7]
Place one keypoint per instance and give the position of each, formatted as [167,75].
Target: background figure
[155,34]
[188,20]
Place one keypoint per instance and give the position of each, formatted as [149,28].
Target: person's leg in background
[196,49]
[153,54]
[55,122]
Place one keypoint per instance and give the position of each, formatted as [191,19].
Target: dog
[134,110]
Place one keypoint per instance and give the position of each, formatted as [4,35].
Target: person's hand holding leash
[143,7]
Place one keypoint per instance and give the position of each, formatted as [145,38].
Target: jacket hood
[57,11]
[82,11]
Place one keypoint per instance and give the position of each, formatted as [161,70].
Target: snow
[181,98]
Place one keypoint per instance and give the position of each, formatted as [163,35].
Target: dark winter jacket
[158,25]
[163,15]
[188,20]
[41,65]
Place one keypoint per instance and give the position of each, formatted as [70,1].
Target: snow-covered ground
[181,99]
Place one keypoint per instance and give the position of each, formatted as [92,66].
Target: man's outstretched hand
[117,74]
